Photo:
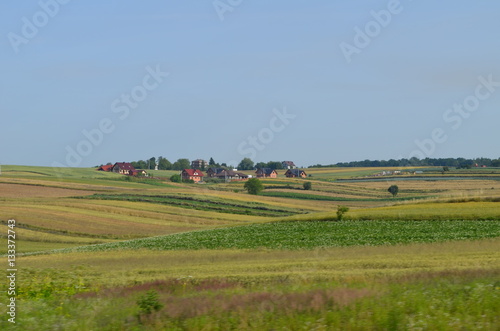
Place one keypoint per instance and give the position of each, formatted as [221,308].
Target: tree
[446,168]
[261,165]
[307,185]
[274,165]
[211,162]
[151,163]
[176,178]
[393,189]
[181,164]
[164,164]
[246,164]
[341,210]
[254,186]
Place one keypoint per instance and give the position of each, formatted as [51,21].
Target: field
[212,257]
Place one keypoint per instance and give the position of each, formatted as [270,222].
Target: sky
[84,83]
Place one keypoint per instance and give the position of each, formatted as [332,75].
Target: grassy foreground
[434,286]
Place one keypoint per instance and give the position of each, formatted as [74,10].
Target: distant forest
[415,162]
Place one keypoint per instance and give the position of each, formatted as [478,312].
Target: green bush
[149,302]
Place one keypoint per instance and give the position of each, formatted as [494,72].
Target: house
[291,173]
[192,174]
[288,165]
[231,175]
[123,168]
[199,163]
[212,172]
[138,172]
[107,167]
[266,173]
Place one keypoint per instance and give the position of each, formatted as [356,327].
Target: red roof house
[192,174]
[123,168]
[107,167]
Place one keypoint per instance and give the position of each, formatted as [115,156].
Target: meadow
[212,257]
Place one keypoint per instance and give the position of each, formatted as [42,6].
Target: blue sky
[272,80]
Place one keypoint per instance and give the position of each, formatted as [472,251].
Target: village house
[230,175]
[212,172]
[292,173]
[288,165]
[107,167]
[266,173]
[199,164]
[192,174]
[123,168]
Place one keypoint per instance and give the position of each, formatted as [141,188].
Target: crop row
[314,234]
[305,196]
[190,202]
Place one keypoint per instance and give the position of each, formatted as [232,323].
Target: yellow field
[335,264]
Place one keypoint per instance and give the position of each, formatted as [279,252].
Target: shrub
[341,210]
[254,186]
[307,185]
[394,189]
[176,178]
[149,302]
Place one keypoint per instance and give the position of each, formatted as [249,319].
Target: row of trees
[438,162]
[164,164]
[248,164]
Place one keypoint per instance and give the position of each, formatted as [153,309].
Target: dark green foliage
[341,210]
[307,185]
[393,189]
[176,178]
[149,302]
[254,186]
[246,164]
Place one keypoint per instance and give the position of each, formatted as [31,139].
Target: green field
[212,257]
[294,235]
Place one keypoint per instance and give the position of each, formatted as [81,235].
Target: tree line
[415,162]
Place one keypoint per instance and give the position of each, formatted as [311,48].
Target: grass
[201,203]
[223,259]
[450,285]
[313,234]
[305,196]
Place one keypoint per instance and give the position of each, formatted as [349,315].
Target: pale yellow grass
[29,191]
[348,263]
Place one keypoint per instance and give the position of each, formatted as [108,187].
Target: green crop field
[314,234]
[101,251]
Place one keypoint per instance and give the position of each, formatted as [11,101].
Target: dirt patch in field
[31,191]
